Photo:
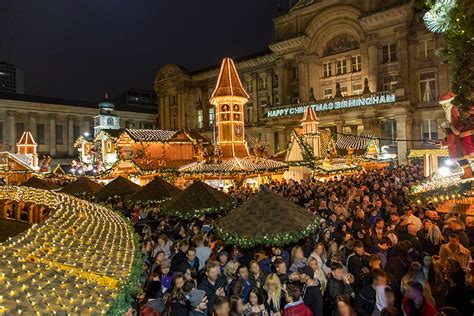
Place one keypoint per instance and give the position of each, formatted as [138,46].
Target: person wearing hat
[311,294]
[198,302]
[459,133]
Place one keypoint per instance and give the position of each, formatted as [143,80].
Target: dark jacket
[313,298]
[210,290]
[416,243]
[177,259]
[185,265]
[355,264]
[365,301]
[427,244]
[461,297]
[333,289]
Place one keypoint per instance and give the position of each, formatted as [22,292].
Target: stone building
[366,66]
[56,123]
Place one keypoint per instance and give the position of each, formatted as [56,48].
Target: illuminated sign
[327,105]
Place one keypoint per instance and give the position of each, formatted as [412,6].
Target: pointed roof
[82,185]
[309,115]
[229,84]
[196,200]
[38,183]
[26,139]
[119,186]
[266,218]
[156,191]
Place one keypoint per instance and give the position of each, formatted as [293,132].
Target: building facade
[11,78]
[56,123]
[367,67]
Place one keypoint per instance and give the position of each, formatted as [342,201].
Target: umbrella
[38,183]
[119,186]
[156,191]
[268,219]
[82,185]
[196,200]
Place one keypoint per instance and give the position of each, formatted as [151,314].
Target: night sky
[82,49]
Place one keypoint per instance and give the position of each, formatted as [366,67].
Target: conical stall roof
[196,200]
[228,83]
[156,191]
[266,219]
[82,185]
[38,183]
[119,186]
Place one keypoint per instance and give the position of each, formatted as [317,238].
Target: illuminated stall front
[228,162]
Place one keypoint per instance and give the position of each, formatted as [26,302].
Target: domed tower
[106,119]
[229,97]
[310,123]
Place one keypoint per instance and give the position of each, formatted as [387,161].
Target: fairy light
[65,254]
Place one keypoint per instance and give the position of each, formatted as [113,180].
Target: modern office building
[366,66]
[11,78]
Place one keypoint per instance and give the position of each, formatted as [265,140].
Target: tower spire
[229,97]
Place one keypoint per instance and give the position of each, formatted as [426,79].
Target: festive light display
[83,259]
[443,189]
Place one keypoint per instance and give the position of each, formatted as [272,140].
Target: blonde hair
[434,233]
[276,296]
[230,268]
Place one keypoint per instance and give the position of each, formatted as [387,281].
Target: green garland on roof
[129,290]
[268,240]
[455,20]
[187,215]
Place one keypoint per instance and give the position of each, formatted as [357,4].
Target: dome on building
[106,104]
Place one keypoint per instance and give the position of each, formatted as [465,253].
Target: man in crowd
[339,284]
[311,294]
[365,300]
[212,284]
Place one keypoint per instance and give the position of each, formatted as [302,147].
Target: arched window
[110,121]
[339,44]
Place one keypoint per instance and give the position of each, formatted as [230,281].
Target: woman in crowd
[255,306]
[274,298]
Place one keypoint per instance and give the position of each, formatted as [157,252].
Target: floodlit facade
[366,67]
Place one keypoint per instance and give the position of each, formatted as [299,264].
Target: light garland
[80,260]
[187,215]
[267,240]
[442,189]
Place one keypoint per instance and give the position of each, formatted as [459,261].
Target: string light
[66,252]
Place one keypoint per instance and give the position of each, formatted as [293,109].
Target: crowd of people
[375,253]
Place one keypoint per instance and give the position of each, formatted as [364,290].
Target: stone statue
[366,87]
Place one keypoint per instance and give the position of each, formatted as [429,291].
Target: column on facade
[87,126]
[372,61]
[339,128]
[254,96]
[185,118]
[32,124]
[162,112]
[303,88]
[167,113]
[70,135]
[282,71]
[402,56]
[314,74]
[402,134]
[52,135]
[11,130]
[282,139]
[179,119]
[270,86]
[270,139]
